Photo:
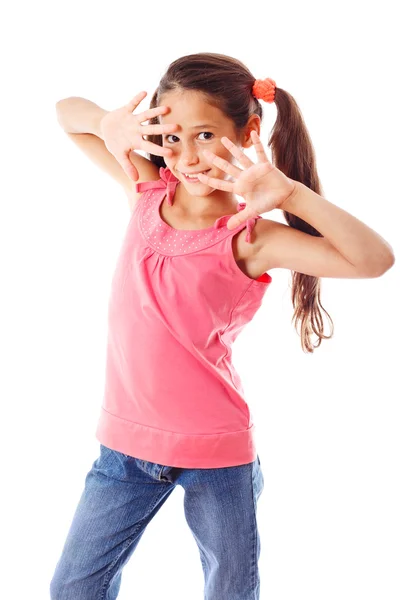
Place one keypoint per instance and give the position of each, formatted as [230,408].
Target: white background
[327,423]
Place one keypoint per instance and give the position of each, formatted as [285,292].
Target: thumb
[236,220]
[129,168]
[241,216]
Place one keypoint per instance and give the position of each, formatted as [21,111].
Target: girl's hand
[123,132]
[263,186]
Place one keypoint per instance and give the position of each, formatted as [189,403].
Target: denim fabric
[120,497]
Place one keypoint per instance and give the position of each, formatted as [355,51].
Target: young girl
[192,272]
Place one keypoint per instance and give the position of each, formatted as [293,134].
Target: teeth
[193,176]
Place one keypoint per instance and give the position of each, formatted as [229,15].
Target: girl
[192,272]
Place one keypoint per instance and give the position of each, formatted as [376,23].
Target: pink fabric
[178,301]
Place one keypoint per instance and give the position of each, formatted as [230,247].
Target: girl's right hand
[122,132]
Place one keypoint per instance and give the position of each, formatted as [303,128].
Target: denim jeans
[120,497]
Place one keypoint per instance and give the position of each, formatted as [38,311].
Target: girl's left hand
[263,186]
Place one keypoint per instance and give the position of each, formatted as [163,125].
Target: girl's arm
[78,115]
[354,240]
[348,248]
[80,119]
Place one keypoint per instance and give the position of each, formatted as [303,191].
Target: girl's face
[200,126]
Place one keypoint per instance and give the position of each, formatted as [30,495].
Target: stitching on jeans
[130,540]
[254,562]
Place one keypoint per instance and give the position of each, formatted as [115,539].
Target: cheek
[223,152]
[226,155]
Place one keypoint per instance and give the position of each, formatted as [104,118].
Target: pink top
[178,301]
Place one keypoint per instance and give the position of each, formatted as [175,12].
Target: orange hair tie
[264,89]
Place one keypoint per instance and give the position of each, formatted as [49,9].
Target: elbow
[384,266]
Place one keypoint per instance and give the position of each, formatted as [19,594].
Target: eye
[168,136]
[171,135]
[207,133]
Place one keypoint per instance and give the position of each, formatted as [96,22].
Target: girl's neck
[215,205]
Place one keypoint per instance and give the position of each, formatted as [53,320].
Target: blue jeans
[120,497]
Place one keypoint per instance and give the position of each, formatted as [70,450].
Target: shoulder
[247,253]
[263,239]
[151,173]
[272,238]
[267,230]
[261,232]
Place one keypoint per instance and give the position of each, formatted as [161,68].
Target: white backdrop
[327,424]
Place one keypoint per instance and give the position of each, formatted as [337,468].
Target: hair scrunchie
[264,89]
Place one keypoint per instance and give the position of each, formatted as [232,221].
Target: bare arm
[79,115]
[360,245]
[80,119]
[348,248]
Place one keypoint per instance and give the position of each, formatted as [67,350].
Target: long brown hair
[228,83]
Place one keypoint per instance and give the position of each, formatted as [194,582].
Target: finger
[156,149]
[152,112]
[237,153]
[219,184]
[158,129]
[136,101]
[223,164]
[262,157]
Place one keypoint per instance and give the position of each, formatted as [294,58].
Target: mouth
[193,178]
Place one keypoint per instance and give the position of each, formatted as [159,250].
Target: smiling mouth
[194,179]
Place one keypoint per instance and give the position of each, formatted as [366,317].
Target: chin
[196,187]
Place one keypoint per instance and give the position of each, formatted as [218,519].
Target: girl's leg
[220,509]
[121,496]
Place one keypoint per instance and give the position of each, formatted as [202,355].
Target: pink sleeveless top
[178,301]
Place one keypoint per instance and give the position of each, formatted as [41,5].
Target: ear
[253,123]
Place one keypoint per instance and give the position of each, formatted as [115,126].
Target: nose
[189,155]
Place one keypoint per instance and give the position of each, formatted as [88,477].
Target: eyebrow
[205,125]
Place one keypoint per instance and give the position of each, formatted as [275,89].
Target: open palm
[262,186]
